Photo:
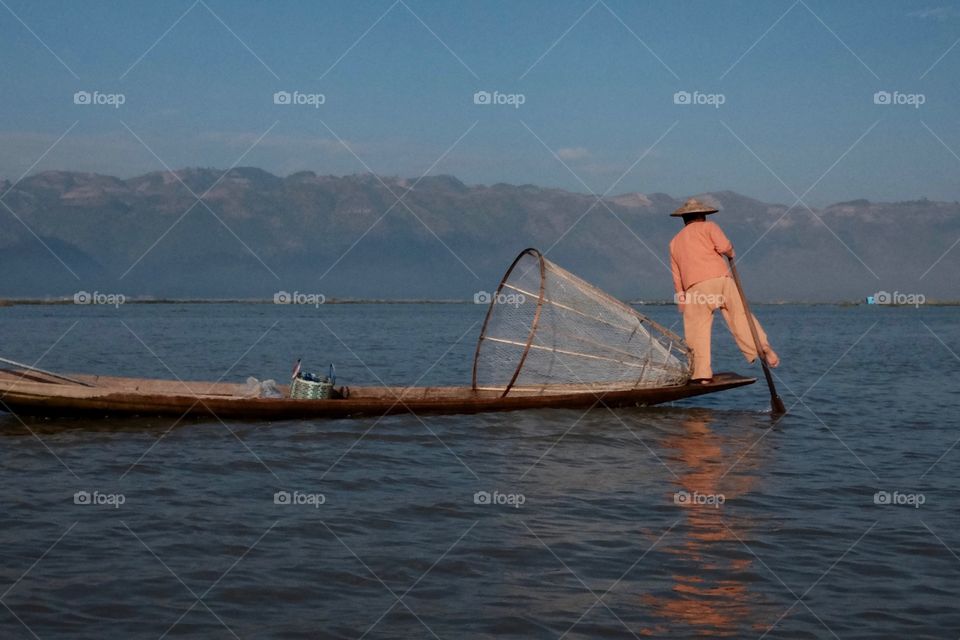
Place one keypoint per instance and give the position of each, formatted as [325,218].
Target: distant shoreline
[129,300]
[12,302]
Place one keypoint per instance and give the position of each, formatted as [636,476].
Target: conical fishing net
[548,331]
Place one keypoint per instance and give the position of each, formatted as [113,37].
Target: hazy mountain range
[255,233]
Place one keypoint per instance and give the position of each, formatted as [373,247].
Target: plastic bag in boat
[256,389]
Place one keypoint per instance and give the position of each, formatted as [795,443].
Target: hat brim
[680,214]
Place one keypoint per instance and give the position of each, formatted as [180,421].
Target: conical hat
[694,206]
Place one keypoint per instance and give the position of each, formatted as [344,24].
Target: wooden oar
[776,403]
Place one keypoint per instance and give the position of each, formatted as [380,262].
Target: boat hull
[34,394]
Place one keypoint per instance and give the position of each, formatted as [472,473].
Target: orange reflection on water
[713,599]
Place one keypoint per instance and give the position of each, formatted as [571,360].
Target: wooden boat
[549,339]
[30,392]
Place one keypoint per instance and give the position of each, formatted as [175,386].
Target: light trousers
[702,299]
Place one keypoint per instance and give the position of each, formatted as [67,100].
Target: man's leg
[697,325]
[736,317]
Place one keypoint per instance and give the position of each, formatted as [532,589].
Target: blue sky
[598,81]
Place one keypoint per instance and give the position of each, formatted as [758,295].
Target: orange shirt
[695,254]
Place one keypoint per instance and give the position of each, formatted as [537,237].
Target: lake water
[702,519]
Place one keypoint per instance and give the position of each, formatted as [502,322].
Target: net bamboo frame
[548,332]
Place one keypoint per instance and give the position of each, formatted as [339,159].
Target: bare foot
[771,357]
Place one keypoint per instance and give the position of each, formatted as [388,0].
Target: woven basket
[302,389]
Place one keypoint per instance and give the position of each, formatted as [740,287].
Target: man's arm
[721,243]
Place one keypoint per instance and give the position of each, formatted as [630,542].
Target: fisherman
[703,284]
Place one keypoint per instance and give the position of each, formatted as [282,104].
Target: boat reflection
[710,594]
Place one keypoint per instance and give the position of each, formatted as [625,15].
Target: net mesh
[548,331]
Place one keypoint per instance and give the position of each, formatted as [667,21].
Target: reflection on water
[714,600]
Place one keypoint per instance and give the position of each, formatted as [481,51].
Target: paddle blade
[776,405]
